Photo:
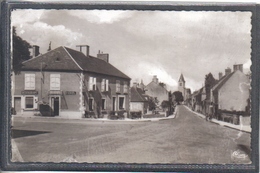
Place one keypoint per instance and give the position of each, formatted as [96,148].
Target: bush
[136,114]
[90,114]
[13,112]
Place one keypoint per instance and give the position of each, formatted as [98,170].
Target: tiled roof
[137,95]
[66,59]
[221,82]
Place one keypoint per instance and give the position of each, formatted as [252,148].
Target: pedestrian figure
[210,110]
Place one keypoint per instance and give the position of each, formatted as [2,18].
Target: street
[185,139]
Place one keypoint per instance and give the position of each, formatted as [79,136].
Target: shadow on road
[24,133]
[245,149]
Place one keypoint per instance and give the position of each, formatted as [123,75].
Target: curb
[108,120]
[214,121]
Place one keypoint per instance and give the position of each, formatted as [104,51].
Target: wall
[136,106]
[234,93]
[68,82]
[155,90]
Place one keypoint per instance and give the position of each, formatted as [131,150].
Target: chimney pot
[34,51]
[227,71]
[220,75]
[155,79]
[103,56]
[238,67]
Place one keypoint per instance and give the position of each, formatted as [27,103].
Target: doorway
[17,105]
[55,105]
[114,103]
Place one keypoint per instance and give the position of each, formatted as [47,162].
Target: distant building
[65,82]
[186,92]
[139,100]
[156,90]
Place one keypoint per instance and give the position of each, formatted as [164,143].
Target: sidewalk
[241,127]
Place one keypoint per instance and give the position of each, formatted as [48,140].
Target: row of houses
[69,83]
[227,96]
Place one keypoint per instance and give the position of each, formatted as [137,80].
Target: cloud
[101,16]
[59,35]
[20,17]
[149,70]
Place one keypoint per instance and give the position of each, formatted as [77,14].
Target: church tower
[181,85]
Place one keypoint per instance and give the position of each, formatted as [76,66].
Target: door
[17,105]
[114,103]
[55,105]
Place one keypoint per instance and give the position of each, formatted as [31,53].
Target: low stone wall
[245,120]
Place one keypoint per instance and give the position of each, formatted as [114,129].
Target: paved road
[185,139]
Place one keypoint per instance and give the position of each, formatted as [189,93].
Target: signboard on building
[70,92]
[29,92]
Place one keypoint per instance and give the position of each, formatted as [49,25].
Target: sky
[146,43]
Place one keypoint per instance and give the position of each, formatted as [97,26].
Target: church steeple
[181,78]
[181,85]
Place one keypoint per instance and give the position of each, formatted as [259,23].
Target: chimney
[84,49]
[103,56]
[238,67]
[155,79]
[34,51]
[220,75]
[228,71]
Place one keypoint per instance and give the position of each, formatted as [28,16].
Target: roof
[137,95]
[221,82]
[155,86]
[66,59]
[181,78]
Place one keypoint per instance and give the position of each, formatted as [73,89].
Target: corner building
[67,83]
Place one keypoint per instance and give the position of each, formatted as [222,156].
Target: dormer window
[57,59]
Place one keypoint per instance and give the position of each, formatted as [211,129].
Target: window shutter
[107,86]
[55,81]
[95,84]
[103,85]
[32,81]
[29,81]
[90,83]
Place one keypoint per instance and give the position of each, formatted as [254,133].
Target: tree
[162,84]
[152,102]
[165,104]
[178,96]
[20,51]
[210,81]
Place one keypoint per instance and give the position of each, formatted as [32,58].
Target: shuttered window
[29,82]
[117,85]
[92,83]
[125,87]
[104,85]
[55,82]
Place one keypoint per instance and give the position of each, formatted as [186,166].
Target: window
[104,85]
[92,83]
[125,87]
[29,82]
[117,85]
[121,102]
[91,104]
[180,84]
[55,82]
[28,102]
[103,104]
